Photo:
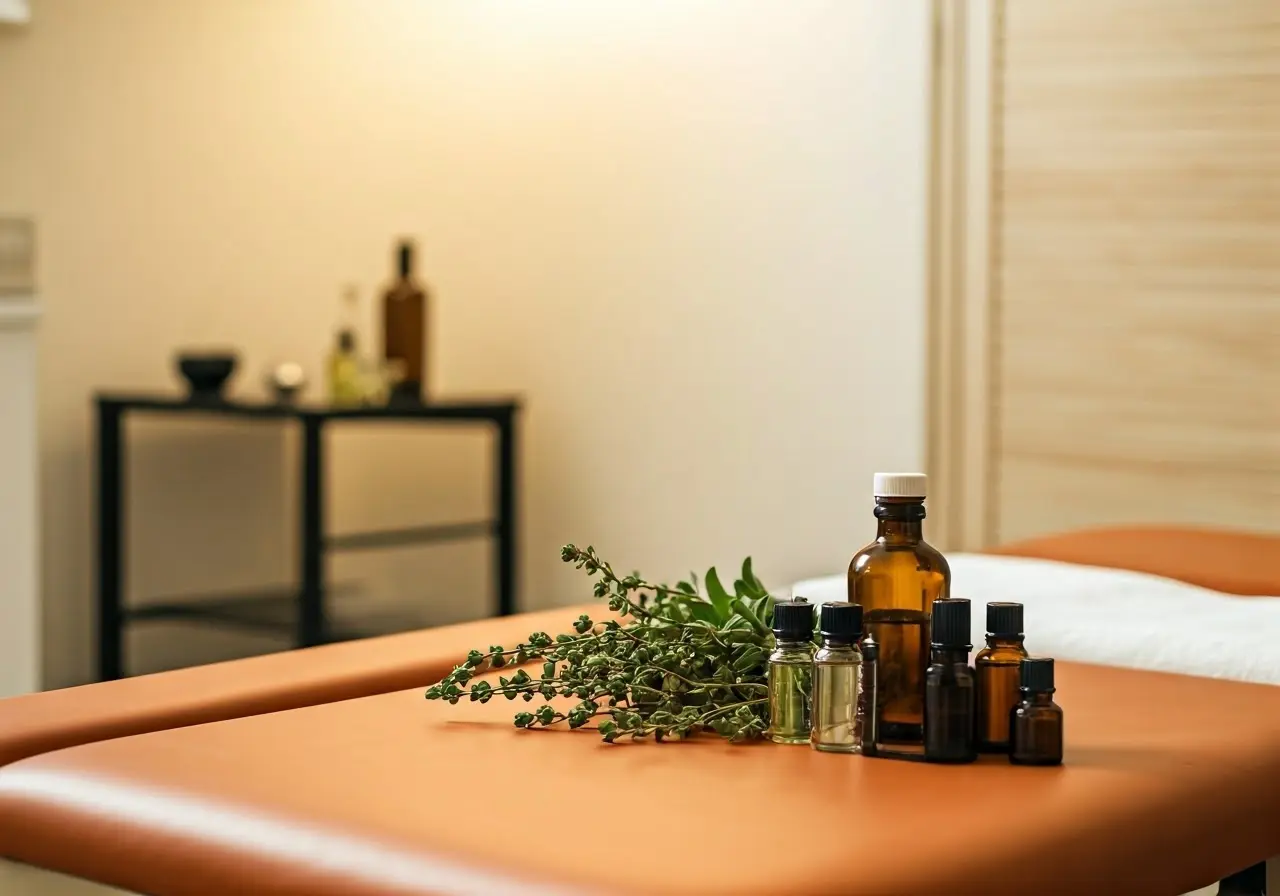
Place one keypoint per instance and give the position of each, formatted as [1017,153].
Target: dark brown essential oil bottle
[1035,724]
[995,669]
[868,715]
[949,686]
[896,578]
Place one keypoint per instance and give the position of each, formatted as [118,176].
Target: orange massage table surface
[39,723]
[1170,783]
[1244,563]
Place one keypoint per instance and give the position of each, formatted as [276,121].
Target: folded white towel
[1113,617]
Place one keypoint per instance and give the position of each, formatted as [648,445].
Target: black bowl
[206,373]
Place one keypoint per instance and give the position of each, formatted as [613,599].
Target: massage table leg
[1255,880]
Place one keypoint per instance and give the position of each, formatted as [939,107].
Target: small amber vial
[996,668]
[1035,724]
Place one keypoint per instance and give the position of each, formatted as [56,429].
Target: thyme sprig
[678,663]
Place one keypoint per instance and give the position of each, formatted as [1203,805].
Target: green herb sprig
[679,663]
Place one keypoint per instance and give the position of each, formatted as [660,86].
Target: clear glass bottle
[343,369]
[837,668]
[896,579]
[996,669]
[949,686]
[1035,724]
[790,670]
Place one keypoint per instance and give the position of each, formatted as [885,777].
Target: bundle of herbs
[675,663]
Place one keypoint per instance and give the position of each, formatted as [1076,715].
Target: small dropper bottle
[790,670]
[837,668]
[996,669]
[344,362]
[949,686]
[868,720]
[1035,724]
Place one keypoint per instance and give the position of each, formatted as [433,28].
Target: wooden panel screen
[1136,264]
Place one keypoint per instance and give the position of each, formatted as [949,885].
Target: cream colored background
[691,232]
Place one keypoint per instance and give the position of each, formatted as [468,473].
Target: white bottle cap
[900,485]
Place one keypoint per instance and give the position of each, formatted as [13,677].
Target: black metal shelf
[310,620]
[452,409]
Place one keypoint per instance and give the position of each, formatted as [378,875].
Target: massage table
[53,720]
[1172,784]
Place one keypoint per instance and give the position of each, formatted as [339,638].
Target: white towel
[1113,617]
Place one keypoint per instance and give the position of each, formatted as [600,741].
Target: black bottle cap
[1036,674]
[1004,619]
[793,620]
[950,625]
[841,620]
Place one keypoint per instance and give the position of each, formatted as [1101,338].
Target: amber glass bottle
[949,686]
[1035,724]
[897,578]
[996,668]
[404,330]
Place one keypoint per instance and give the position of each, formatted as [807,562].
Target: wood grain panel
[1137,270]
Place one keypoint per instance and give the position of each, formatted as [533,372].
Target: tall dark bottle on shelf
[404,330]
[897,578]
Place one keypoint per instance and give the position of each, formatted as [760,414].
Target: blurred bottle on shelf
[345,376]
[404,330]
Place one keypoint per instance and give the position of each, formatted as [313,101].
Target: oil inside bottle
[835,688]
[789,689]
[903,637]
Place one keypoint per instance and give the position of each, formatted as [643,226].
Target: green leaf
[763,608]
[700,611]
[749,659]
[719,598]
[747,613]
[749,576]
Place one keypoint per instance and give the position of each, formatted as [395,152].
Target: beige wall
[690,232]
